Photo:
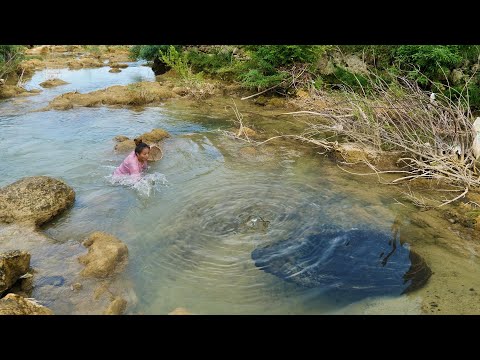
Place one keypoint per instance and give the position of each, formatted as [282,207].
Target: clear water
[188,223]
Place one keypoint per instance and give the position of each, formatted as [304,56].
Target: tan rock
[106,255]
[85,62]
[120,138]
[125,146]
[52,83]
[13,264]
[35,199]
[13,304]
[117,65]
[151,138]
[76,287]
[137,94]
[154,136]
[155,154]
[61,104]
[116,307]
[102,289]
[114,70]
[9,91]
[29,66]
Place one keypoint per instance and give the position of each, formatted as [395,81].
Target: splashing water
[145,186]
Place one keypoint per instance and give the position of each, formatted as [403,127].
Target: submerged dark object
[55,280]
[365,262]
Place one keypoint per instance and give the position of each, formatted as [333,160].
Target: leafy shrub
[10,56]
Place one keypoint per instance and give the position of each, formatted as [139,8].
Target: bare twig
[435,137]
[260,93]
[455,198]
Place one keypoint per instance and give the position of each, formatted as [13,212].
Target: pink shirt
[130,166]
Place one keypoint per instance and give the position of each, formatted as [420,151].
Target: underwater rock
[120,138]
[116,307]
[126,145]
[255,223]
[117,65]
[154,135]
[13,304]
[34,199]
[361,262]
[50,280]
[106,255]
[13,264]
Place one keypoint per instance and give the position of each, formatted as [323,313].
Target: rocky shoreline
[25,205]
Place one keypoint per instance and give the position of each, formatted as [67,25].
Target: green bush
[351,80]
[283,55]
[470,93]
[212,63]
[428,59]
[178,62]
[255,79]
[264,68]
[149,52]
[10,57]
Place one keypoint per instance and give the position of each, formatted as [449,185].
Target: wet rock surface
[138,94]
[52,83]
[13,304]
[13,264]
[106,255]
[151,138]
[34,199]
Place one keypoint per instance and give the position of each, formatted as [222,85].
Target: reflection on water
[191,239]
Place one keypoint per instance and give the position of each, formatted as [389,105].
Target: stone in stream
[151,138]
[255,223]
[13,304]
[360,263]
[52,83]
[13,264]
[106,255]
[116,307]
[34,199]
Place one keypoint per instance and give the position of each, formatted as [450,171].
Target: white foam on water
[146,185]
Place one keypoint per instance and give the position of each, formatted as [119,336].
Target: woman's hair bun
[137,141]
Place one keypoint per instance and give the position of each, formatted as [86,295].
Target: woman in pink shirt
[135,162]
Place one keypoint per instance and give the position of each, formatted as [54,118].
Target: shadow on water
[350,264]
